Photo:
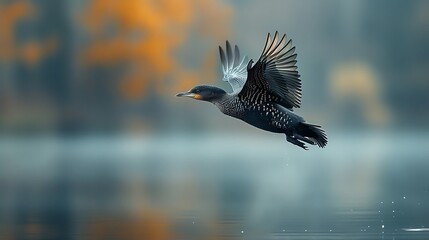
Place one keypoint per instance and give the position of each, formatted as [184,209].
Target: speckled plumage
[260,110]
[265,94]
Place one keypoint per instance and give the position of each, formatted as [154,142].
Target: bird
[264,94]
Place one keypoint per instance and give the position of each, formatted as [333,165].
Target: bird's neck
[228,104]
[222,99]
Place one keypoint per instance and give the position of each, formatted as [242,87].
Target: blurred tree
[33,72]
[144,50]
[140,39]
[358,97]
[11,15]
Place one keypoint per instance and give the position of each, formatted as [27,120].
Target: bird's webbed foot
[296,142]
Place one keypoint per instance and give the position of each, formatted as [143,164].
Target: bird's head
[204,93]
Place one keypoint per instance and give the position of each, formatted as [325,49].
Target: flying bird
[264,94]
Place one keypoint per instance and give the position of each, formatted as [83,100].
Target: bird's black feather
[276,72]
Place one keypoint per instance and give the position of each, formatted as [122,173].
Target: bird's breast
[232,107]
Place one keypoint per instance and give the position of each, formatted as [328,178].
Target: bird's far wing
[276,71]
[234,68]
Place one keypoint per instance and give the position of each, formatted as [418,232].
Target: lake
[362,186]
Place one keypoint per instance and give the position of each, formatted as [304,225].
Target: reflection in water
[366,187]
[416,229]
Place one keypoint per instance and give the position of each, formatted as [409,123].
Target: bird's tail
[312,134]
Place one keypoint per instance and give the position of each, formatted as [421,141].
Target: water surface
[364,186]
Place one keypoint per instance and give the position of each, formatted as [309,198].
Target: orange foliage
[132,87]
[146,36]
[30,52]
[33,52]
[10,15]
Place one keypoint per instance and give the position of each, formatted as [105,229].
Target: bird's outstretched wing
[234,68]
[276,72]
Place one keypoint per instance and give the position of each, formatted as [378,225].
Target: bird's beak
[190,95]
